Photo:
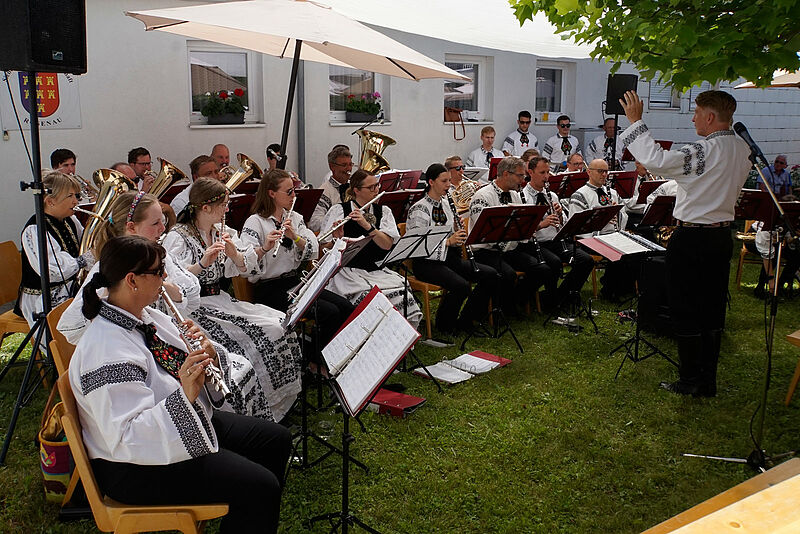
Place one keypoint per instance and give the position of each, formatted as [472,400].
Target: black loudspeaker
[618,84]
[43,36]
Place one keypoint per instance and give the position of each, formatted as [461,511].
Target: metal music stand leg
[343,518]
[498,318]
[576,308]
[416,361]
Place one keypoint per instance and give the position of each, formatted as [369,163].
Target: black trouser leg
[579,270]
[537,274]
[458,288]
[507,278]
[246,473]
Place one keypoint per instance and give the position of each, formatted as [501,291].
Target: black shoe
[679,387]
[760,292]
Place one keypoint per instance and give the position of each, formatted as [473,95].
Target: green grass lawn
[550,443]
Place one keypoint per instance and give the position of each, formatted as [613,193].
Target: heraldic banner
[57,101]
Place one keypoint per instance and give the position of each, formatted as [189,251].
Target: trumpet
[346,219]
[460,226]
[283,228]
[212,371]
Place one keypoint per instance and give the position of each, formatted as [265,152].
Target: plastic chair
[112,516]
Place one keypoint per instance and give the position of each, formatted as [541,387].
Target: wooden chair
[794,339]
[424,288]
[745,256]
[112,516]
[242,288]
[10,278]
[60,349]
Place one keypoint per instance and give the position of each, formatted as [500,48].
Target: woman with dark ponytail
[148,423]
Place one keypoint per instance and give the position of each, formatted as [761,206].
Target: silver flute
[346,219]
[283,228]
[212,371]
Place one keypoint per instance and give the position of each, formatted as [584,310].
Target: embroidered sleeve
[61,265]
[508,144]
[419,216]
[639,141]
[547,151]
[578,203]
[320,210]
[310,250]
[388,226]
[334,214]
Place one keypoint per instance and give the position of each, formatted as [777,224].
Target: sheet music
[472,364]
[621,243]
[445,373]
[323,273]
[364,351]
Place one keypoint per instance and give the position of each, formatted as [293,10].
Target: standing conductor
[709,174]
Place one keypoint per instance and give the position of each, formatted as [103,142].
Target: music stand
[400,202]
[476,173]
[398,180]
[564,184]
[754,204]
[307,200]
[645,188]
[416,243]
[357,377]
[624,182]
[659,212]
[627,156]
[493,163]
[499,224]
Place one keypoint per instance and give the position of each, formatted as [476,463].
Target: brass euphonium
[112,184]
[372,146]
[167,176]
[247,169]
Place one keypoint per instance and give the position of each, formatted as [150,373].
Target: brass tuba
[111,184]
[372,146]
[247,169]
[167,176]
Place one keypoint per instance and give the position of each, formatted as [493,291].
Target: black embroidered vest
[371,253]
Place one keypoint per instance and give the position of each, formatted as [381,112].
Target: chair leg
[538,304]
[426,302]
[793,384]
[73,483]
[594,282]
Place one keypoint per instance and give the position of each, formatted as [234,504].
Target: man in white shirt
[600,147]
[201,167]
[481,156]
[340,162]
[709,174]
[562,145]
[575,163]
[521,139]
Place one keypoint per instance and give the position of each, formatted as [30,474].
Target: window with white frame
[214,68]
[696,90]
[345,83]
[549,89]
[663,96]
[471,95]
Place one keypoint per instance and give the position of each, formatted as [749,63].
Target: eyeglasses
[373,187]
[601,171]
[456,168]
[348,164]
[781,162]
[290,192]
[524,122]
[157,272]
[565,125]
[143,163]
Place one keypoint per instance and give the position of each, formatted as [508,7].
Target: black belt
[723,224]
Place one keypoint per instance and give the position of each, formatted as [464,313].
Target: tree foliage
[686,41]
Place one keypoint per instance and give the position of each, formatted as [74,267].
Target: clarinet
[212,371]
[539,255]
[460,226]
[553,210]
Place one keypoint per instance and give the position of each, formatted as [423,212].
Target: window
[696,90]
[343,82]
[214,68]
[663,96]
[473,95]
[549,89]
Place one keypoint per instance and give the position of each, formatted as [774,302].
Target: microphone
[741,129]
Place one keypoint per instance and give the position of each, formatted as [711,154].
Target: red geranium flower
[238,91]
[223,95]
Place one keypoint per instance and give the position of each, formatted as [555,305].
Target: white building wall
[136,93]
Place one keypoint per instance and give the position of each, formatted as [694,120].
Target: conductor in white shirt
[709,175]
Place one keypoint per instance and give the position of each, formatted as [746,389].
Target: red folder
[491,357]
[395,404]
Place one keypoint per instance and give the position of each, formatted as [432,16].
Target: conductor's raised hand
[633,106]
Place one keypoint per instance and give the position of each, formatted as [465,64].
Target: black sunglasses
[565,125]
[157,272]
[456,168]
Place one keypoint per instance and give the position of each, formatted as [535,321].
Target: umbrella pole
[287,118]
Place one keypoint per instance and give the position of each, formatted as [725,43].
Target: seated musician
[561,146]
[207,248]
[148,424]
[277,274]
[528,154]
[201,167]
[340,162]
[482,156]
[619,277]
[575,163]
[64,234]
[446,267]
[555,253]
[461,188]
[510,256]
[361,274]
[142,164]
[221,155]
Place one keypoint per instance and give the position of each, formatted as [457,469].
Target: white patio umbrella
[780,78]
[302,29]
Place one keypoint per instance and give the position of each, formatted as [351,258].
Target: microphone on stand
[741,129]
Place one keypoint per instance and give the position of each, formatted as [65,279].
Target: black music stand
[499,224]
[307,200]
[400,202]
[754,204]
[566,183]
[39,330]
[645,188]
[416,243]
[399,180]
[624,182]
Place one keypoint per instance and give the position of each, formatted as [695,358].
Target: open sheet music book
[464,367]
[367,349]
[618,244]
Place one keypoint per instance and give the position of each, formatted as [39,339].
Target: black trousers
[247,473]
[331,309]
[522,258]
[556,253]
[455,274]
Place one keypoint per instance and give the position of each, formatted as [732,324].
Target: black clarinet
[459,226]
[546,188]
[539,255]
